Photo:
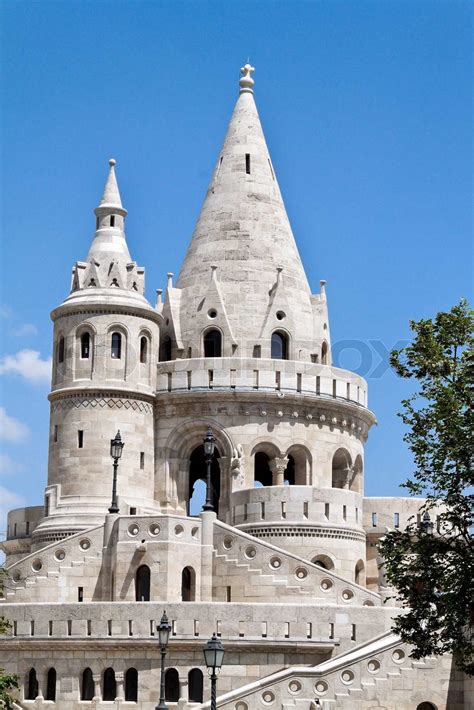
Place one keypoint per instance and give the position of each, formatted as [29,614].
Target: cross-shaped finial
[246,81]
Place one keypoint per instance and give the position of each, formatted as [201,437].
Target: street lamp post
[427,524]
[163,629]
[209,445]
[213,657]
[116,446]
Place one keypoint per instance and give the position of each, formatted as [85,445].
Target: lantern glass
[164,629]
[116,446]
[209,443]
[214,654]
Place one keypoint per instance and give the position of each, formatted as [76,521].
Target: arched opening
[131,685]
[85,346]
[116,346]
[172,685]
[213,343]
[87,685]
[142,584]
[51,685]
[359,574]
[165,349]
[279,348]
[299,458]
[195,685]
[289,475]
[324,353]
[61,349]
[143,349]
[323,561]
[109,690]
[426,706]
[341,469]
[356,479]
[197,472]
[32,685]
[188,585]
[262,475]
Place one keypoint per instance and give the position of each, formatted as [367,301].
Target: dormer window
[213,343]
[85,346]
[116,347]
[279,345]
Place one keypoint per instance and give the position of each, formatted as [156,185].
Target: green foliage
[8,682]
[434,572]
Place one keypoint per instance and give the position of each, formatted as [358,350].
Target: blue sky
[367,110]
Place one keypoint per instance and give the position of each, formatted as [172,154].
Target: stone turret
[106,338]
[242,273]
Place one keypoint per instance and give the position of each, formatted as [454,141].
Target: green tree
[432,565]
[8,682]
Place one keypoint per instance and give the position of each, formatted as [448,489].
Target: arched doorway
[32,685]
[426,706]
[197,472]
[131,685]
[188,585]
[87,685]
[109,688]
[142,584]
[51,685]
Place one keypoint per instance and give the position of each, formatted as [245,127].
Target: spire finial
[112,162]
[246,82]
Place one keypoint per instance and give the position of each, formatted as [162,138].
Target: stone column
[277,467]
[119,680]
[96,677]
[183,692]
[224,499]
[207,549]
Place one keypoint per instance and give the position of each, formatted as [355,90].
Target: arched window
[324,353]
[142,584]
[116,348]
[109,690]
[131,685]
[143,349]
[279,346]
[426,706]
[172,685]
[61,349]
[197,473]
[341,469]
[323,561]
[51,685]
[289,475]
[85,346]
[188,585]
[87,685]
[262,473]
[195,685]
[213,343]
[32,687]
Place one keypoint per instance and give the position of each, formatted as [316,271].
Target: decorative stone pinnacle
[246,82]
[112,162]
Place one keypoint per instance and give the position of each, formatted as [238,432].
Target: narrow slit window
[80,439]
[55,435]
[80,594]
[228,594]
[61,349]
[247,163]
[112,220]
[143,349]
[142,460]
[396,520]
[116,347]
[374,520]
[85,346]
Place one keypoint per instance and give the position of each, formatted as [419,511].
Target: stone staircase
[249,583]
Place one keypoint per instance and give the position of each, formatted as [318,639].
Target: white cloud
[24,330]
[5,311]
[27,364]
[11,429]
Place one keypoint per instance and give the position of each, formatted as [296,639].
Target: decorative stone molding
[101,403]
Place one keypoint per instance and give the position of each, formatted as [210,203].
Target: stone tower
[285,569]
[105,349]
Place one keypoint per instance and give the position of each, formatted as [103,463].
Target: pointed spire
[111,196]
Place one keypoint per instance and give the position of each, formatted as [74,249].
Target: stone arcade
[286,570]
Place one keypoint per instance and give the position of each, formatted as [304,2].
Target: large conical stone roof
[243,229]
